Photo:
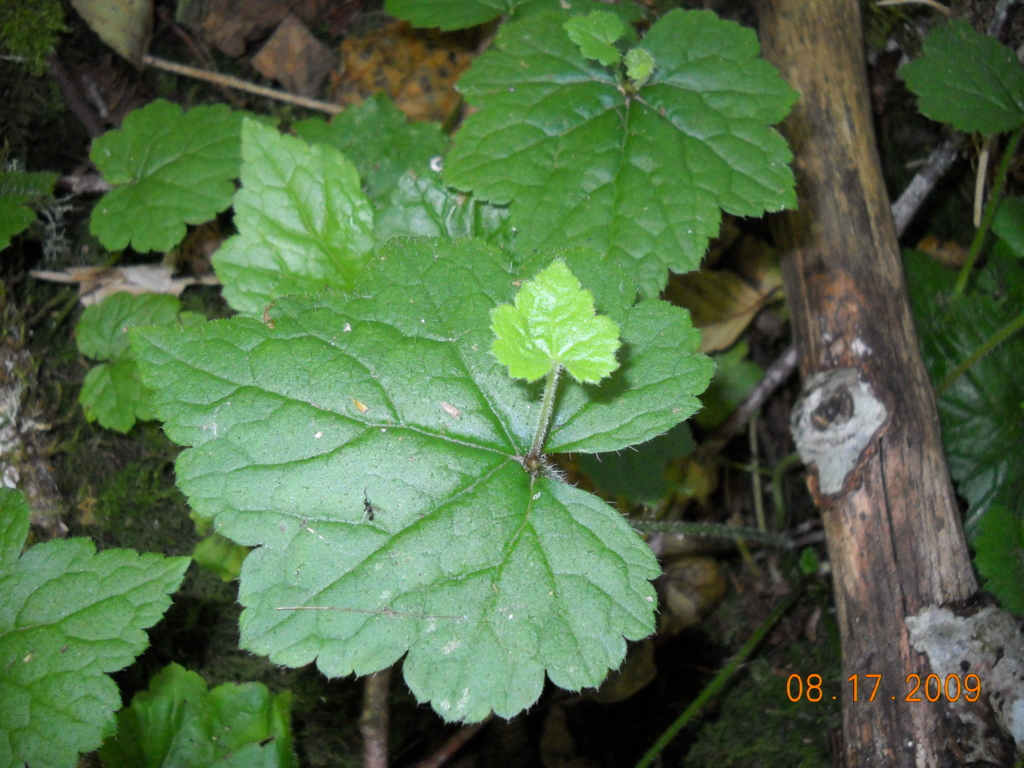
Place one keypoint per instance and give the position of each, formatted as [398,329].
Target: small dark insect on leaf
[267,320]
[367,506]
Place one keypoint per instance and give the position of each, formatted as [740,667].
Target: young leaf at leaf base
[487,576]
[553,324]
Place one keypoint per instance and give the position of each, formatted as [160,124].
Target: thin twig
[73,97]
[242,85]
[755,477]
[774,377]
[998,21]
[454,744]
[934,168]
[167,18]
[373,723]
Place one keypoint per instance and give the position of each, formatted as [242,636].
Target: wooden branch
[867,425]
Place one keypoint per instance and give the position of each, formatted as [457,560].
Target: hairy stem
[547,408]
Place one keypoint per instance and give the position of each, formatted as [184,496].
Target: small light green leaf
[303,223]
[553,324]
[220,555]
[638,473]
[177,722]
[68,617]
[16,190]
[487,576]
[112,393]
[639,66]
[423,207]
[168,169]
[643,179]
[460,14]
[982,429]
[102,332]
[1008,224]
[596,34]
[968,80]
[380,141]
[999,557]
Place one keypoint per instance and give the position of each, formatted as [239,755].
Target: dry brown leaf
[96,283]
[722,303]
[124,25]
[946,252]
[692,588]
[295,58]
[230,24]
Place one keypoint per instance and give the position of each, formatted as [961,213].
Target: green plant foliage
[642,178]
[18,190]
[379,140]
[423,207]
[1008,224]
[112,392]
[639,67]
[638,474]
[734,377]
[1000,556]
[177,722]
[459,14]
[968,80]
[596,35]
[303,222]
[553,324]
[168,169]
[982,429]
[387,494]
[68,617]
[220,555]
[28,28]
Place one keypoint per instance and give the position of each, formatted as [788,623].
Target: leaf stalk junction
[534,462]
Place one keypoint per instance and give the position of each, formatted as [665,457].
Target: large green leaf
[68,616]
[380,142]
[372,448]
[980,413]
[18,188]
[459,14]
[168,169]
[968,80]
[303,222]
[423,207]
[177,722]
[641,177]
